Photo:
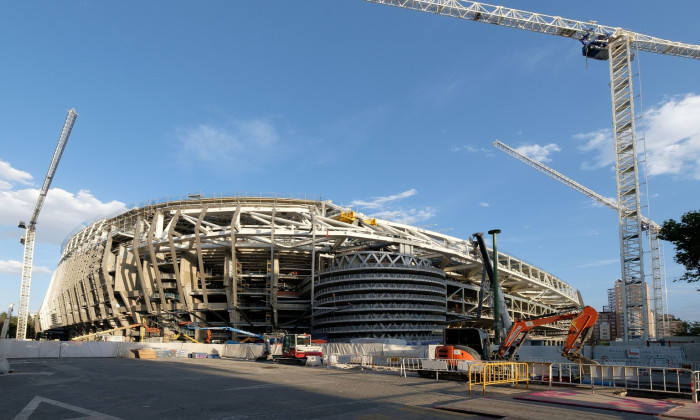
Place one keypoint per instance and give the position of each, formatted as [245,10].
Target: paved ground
[228,389]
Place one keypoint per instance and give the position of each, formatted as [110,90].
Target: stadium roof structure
[267,264]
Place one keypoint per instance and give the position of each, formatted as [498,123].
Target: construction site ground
[182,388]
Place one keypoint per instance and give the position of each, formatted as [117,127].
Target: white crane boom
[602,43]
[23,311]
[608,202]
[653,230]
[537,22]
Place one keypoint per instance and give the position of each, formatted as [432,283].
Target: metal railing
[433,366]
[639,378]
[493,373]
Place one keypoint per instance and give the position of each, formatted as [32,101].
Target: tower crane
[601,43]
[28,240]
[652,228]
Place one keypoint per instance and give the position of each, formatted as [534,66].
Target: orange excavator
[472,344]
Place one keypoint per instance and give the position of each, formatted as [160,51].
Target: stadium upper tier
[257,264]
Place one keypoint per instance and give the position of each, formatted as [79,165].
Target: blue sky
[390,111]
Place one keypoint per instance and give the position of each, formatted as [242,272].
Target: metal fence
[433,367]
[640,378]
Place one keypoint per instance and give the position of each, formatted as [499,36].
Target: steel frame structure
[249,262]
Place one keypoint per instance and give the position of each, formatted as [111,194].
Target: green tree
[12,330]
[685,237]
[686,328]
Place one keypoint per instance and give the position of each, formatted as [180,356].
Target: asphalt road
[179,388]
[213,389]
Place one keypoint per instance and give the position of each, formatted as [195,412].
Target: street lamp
[495,292]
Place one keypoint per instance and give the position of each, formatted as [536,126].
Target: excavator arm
[582,320]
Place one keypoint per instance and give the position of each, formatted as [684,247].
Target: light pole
[495,292]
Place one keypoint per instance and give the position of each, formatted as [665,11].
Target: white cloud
[469,149]
[387,209]
[599,263]
[482,204]
[672,140]
[601,143]
[9,175]
[61,214]
[406,216]
[236,143]
[539,153]
[15,267]
[378,202]
[673,137]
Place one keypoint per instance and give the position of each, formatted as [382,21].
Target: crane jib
[537,22]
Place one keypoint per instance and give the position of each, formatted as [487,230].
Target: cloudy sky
[390,112]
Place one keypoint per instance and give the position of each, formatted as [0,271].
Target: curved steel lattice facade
[248,263]
[380,295]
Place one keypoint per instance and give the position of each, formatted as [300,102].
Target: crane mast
[27,261]
[616,46]
[652,228]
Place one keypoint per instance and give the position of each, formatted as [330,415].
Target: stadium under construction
[269,264]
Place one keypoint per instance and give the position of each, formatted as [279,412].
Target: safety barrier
[639,378]
[392,363]
[433,366]
[485,374]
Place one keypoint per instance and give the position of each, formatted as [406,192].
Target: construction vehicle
[104,332]
[196,326]
[473,344]
[297,348]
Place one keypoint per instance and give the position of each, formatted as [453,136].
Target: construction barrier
[433,366]
[485,374]
[638,378]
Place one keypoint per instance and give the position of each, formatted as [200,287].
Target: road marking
[33,404]
[32,373]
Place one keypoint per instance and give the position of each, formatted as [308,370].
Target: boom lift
[196,326]
[616,45]
[28,240]
[296,348]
